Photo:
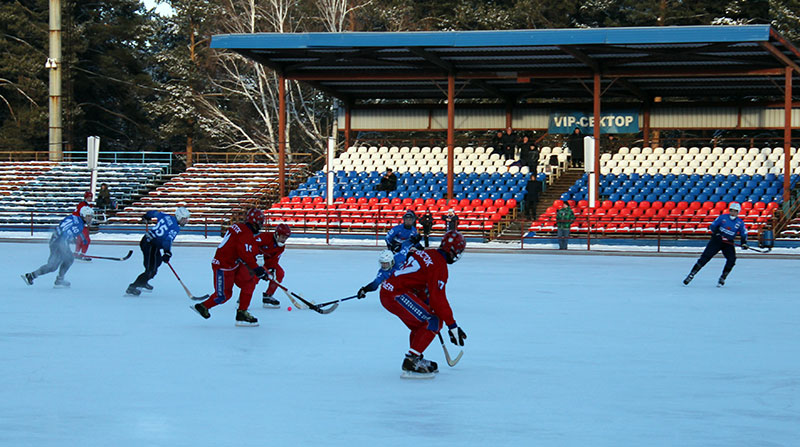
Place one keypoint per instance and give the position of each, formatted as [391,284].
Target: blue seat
[651,198]
[639,198]
[507,196]
[614,197]
[740,198]
[728,198]
[715,198]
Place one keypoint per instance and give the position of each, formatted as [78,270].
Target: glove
[394,246]
[261,273]
[415,238]
[166,256]
[457,336]
[362,292]
[745,246]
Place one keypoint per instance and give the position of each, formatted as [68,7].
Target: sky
[161,8]
[563,349]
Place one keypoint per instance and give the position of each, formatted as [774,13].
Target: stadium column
[596,167]
[347,125]
[787,133]
[282,134]
[54,65]
[451,111]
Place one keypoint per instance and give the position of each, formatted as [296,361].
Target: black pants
[151,254]
[715,245]
[425,235]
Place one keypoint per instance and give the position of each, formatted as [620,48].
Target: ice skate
[244,319]
[132,291]
[721,281]
[146,288]
[416,367]
[270,302]
[61,283]
[688,279]
[28,278]
[199,308]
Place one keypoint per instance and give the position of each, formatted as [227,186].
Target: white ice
[562,350]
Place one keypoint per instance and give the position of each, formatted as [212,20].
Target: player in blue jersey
[404,236]
[723,231]
[389,262]
[61,256]
[156,239]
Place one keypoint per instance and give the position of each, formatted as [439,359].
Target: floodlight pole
[347,114]
[451,112]
[787,133]
[54,66]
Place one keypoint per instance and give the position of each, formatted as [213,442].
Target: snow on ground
[562,351]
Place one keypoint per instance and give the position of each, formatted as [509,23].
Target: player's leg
[268,299]
[223,290]
[417,316]
[712,248]
[66,258]
[53,261]
[247,284]
[730,260]
[149,253]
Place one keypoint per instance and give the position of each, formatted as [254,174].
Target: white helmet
[182,214]
[386,257]
[87,213]
[734,206]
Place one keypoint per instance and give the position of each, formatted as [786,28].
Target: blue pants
[151,258]
[715,245]
[61,258]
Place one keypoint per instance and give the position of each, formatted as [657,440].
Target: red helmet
[256,218]
[453,244]
[283,230]
[87,195]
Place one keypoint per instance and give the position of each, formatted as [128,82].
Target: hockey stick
[110,258]
[450,361]
[188,293]
[293,295]
[757,250]
[336,301]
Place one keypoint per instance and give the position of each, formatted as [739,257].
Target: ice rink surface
[563,350]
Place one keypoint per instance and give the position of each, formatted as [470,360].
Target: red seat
[669,205]
[463,202]
[418,201]
[607,204]
[476,202]
[695,205]
[317,199]
[499,202]
[721,206]
[558,204]
[511,203]
[682,205]
[747,205]
[644,204]
[488,202]
[619,204]
[571,203]
[657,205]
[632,204]
[759,206]
[396,201]
[407,202]
[430,202]
[362,201]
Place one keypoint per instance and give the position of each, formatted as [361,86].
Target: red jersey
[238,246]
[270,248]
[425,275]
[77,211]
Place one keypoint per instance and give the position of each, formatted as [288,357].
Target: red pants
[278,275]
[224,280]
[416,314]
[80,247]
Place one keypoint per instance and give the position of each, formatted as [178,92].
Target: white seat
[664,170]
[623,150]
[647,150]
[681,151]
[754,151]
[469,150]
[658,150]
[705,151]
[737,171]
[688,170]
[605,157]
[669,151]
[652,170]
[694,151]
[635,151]
[725,171]
[741,150]
[730,150]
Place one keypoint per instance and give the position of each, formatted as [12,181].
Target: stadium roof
[695,62]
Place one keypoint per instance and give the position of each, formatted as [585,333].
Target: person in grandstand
[723,232]
[564,218]
[509,141]
[155,240]
[451,220]
[426,220]
[272,245]
[389,262]
[82,244]
[388,181]
[61,256]
[404,236]
[575,145]
[235,263]
[104,200]
[416,294]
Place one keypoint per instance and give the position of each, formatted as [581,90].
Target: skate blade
[130,295]
[26,280]
[145,290]
[60,287]
[416,376]
[198,312]
[271,306]
[246,324]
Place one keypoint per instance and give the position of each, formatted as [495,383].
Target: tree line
[144,82]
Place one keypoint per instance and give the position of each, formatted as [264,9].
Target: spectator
[533,188]
[575,145]
[451,220]
[104,198]
[404,236]
[528,154]
[509,143]
[427,225]
[564,218]
[388,181]
[497,143]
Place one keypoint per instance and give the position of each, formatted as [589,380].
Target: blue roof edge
[465,39]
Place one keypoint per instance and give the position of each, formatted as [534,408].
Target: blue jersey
[382,275]
[70,228]
[728,228]
[164,231]
[400,236]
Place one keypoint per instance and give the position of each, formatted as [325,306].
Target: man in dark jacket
[528,154]
[388,181]
[575,145]
[451,220]
[509,143]
[427,225]
[533,189]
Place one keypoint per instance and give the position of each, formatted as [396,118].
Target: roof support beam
[787,134]
[581,56]
[780,56]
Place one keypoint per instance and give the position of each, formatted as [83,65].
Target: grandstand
[42,193]
[677,191]
[214,192]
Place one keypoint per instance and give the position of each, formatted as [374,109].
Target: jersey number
[410,266]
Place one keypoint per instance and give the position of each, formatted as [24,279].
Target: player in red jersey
[80,245]
[235,263]
[272,246]
[416,294]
